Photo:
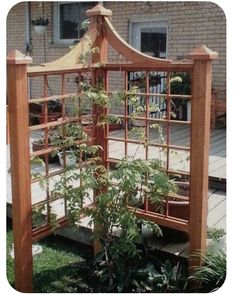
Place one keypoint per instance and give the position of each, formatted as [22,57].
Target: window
[68,17]
[150,37]
[153,41]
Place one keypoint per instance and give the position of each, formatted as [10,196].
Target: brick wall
[189,25]
[16,28]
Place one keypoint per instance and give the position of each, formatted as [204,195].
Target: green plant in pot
[180,85]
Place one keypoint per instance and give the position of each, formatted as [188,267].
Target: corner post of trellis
[20,168]
[200,140]
[99,57]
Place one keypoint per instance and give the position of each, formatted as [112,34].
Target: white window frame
[136,25]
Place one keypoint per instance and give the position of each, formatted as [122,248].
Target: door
[150,37]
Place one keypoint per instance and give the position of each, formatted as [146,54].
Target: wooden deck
[216,200]
[179,160]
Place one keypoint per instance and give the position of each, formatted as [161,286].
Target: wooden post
[200,137]
[20,168]
[96,15]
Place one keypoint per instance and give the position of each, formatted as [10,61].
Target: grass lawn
[63,266]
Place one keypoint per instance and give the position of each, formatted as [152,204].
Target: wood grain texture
[20,172]
[200,137]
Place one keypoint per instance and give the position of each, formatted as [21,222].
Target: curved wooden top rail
[131,54]
[100,25]
[73,57]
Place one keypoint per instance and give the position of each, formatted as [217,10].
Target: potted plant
[181,85]
[40,25]
[176,208]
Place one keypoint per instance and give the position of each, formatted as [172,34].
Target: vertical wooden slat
[46,138]
[20,168]
[100,57]
[7,125]
[147,112]
[126,113]
[200,136]
[168,117]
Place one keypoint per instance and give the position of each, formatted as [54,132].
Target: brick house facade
[188,24]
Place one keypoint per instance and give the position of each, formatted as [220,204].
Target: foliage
[180,83]
[138,104]
[117,193]
[40,21]
[54,106]
[215,233]
[212,273]
[120,226]
[70,268]
[166,279]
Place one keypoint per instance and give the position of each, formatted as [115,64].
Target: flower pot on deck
[176,208]
[114,127]
[51,117]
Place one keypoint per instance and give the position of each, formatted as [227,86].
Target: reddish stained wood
[20,169]
[100,131]
[73,57]
[7,126]
[34,71]
[170,222]
[98,10]
[200,136]
[126,50]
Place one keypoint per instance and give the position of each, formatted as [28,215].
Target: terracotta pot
[89,130]
[177,208]
[114,127]
[51,117]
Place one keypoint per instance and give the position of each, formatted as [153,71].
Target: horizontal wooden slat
[150,144]
[164,221]
[55,97]
[47,230]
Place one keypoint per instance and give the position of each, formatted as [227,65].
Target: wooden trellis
[100,34]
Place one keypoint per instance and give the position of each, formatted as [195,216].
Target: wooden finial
[203,53]
[16,57]
[99,10]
